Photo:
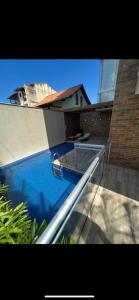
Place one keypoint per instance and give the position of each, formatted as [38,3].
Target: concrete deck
[109,213]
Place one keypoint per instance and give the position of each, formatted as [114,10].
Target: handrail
[70,212]
[56,153]
[90,146]
[50,234]
[53,166]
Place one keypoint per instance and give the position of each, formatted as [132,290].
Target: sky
[58,73]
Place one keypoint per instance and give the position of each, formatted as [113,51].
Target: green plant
[3,189]
[66,240]
[16,227]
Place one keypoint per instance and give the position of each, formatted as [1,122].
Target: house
[66,99]
[30,94]
[116,115]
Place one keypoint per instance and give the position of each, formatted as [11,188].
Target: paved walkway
[114,216]
[109,214]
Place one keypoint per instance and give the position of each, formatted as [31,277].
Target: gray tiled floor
[114,216]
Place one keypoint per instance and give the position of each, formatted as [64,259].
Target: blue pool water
[31,180]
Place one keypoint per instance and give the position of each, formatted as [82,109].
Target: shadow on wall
[72,122]
[55,127]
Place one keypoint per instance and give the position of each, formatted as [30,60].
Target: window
[77,99]
[32,91]
[81,100]
[137,84]
[109,70]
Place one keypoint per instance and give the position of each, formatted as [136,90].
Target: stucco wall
[71,102]
[55,127]
[24,131]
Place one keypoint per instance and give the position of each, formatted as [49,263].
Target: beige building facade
[31,94]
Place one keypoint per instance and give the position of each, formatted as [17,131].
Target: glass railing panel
[74,227]
[70,218]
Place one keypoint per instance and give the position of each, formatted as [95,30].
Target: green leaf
[33,229]
[41,227]
[16,226]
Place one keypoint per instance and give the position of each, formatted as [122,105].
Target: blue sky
[59,73]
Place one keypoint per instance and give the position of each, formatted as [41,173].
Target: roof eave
[66,97]
[85,95]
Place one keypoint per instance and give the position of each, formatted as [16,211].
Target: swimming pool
[31,180]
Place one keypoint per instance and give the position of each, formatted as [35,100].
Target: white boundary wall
[25,131]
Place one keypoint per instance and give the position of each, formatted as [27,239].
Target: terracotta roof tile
[59,95]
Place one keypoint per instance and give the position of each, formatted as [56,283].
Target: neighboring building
[66,99]
[30,94]
[108,77]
